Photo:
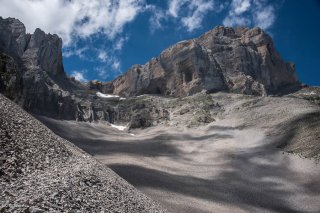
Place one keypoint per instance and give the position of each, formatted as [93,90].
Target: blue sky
[103,38]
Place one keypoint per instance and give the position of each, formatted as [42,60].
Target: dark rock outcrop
[35,51]
[32,73]
[237,60]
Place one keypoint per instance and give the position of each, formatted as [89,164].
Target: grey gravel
[41,172]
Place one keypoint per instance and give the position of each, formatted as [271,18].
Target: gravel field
[260,154]
[41,172]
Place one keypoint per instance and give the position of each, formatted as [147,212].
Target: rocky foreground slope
[41,172]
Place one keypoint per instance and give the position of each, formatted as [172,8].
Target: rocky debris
[309,93]
[41,172]
[190,111]
[140,120]
[291,124]
[300,135]
[237,60]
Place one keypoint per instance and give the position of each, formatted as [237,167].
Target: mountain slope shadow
[249,180]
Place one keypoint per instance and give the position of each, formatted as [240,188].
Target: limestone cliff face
[237,60]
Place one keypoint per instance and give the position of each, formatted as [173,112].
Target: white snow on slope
[121,128]
[101,95]
[310,93]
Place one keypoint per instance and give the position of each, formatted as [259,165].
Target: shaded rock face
[9,76]
[224,59]
[44,51]
[31,71]
[36,51]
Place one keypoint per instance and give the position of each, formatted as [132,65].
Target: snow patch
[121,128]
[310,93]
[140,96]
[101,95]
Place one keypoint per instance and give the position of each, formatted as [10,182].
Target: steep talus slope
[40,171]
[237,60]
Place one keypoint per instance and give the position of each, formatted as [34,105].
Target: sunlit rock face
[237,60]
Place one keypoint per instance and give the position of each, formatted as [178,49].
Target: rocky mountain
[224,59]
[227,132]
[239,60]
[32,75]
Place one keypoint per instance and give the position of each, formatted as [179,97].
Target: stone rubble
[41,172]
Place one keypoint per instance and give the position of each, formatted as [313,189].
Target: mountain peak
[239,60]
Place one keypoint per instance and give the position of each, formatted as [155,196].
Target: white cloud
[118,45]
[232,21]
[80,52]
[200,9]
[174,7]
[116,65]
[102,72]
[74,18]
[191,12]
[112,67]
[102,55]
[264,16]
[158,15]
[250,13]
[240,6]
[79,75]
